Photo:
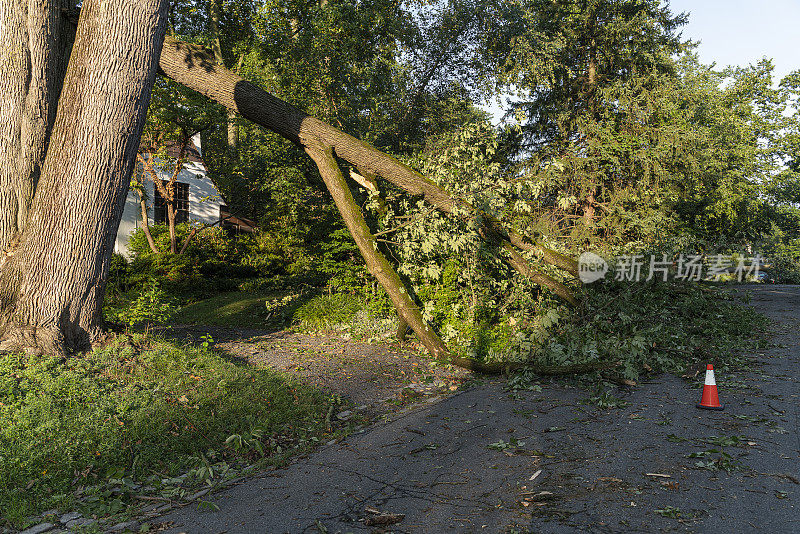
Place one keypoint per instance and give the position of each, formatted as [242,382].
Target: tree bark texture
[36,36]
[51,290]
[215,13]
[195,67]
[377,264]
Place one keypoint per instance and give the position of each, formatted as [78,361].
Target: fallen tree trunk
[497,368]
[554,370]
[194,67]
[376,262]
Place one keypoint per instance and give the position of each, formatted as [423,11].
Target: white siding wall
[204,202]
[204,199]
[131,220]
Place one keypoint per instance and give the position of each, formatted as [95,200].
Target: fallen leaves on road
[377,518]
[537,498]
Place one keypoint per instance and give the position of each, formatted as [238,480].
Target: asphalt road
[453,466]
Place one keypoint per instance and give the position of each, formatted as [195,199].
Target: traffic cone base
[710,399]
[719,408]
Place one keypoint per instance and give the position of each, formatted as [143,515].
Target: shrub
[179,275]
[207,244]
[325,312]
[118,274]
[213,262]
[783,253]
[152,305]
[785,268]
[342,263]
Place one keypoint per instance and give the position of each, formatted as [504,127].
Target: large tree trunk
[33,57]
[195,67]
[215,13]
[51,290]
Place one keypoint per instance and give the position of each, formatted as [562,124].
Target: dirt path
[374,379]
[488,460]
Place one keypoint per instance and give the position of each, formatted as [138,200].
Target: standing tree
[154,158]
[174,117]
[62,198]
[593,79]
[52,301]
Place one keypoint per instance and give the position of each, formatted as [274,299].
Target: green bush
[170,268]
[341,262]
[207,244]
[273,254]
[326,312]
[152,305]
[220,269]
[785,268]
[782,251]
[213,262]
[118,275]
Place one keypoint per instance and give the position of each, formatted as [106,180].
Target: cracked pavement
[602,470]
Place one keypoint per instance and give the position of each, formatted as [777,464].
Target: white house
[197,199]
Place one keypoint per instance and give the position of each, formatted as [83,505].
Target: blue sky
[739,32]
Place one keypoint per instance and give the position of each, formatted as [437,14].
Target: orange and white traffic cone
[710,400]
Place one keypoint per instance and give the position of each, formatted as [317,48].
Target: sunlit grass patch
[232,309]
[325,312]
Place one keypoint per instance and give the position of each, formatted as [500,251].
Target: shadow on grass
[239,310]
[144,409]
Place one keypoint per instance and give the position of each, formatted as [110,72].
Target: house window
[181,191]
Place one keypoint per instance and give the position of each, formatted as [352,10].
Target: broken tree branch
[377,263]
[194,67]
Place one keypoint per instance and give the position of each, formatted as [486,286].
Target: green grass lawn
[235,309]
[142,410]
[240,309]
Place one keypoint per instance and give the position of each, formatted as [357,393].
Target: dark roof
[173,151]
[242,223]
